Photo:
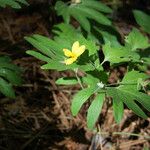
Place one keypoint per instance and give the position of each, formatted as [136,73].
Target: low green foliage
[69,42]
[13,3]
[128,52]
[9,76]
[142,19]
[83,11]
[51,50]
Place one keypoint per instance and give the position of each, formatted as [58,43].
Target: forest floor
[39,118]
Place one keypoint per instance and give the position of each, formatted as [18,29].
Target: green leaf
[84,11]
[119,54]
[66,81]
[40,46]
[13,3]
[54,65]
[79,99]
[131,79]
[66,35]
[95,15]
[38,55]
[97,5]
[63,10]
[80,16]
[12,76]
[94,110]
[118,110]
[142,19]
[23,2]
[90,80]
[117,105]
[108,37]
[128,97]
[147,60]
[50,44]
[5,59]
[10,66]
[6,88]
[115,54]
[143,99]
[128,93]
[135,40]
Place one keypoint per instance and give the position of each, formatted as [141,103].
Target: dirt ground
[39,118]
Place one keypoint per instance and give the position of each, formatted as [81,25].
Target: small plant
[13,3]
[84,11]
[94,84]
[9,73]
[9,76]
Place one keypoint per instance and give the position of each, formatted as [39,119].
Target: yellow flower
[76,51]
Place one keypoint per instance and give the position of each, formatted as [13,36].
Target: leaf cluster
[13,3]
[133,51]
[9,76]
[84,11]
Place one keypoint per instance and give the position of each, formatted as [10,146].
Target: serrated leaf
[6,88]
[79,99]
[135,40]
[67,81]
[131,79]
[142,19]
[128,93]
[84,11]
[94,110]
[115,54]
[128,97]
[95,15]
[119,54]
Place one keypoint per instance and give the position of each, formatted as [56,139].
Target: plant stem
[79,81]
[120,83]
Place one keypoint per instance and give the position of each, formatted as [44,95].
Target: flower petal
[79,51]
[67,53]
[75,46]
[70,60]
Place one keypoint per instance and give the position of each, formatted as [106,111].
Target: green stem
[79,81]
[120,83]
